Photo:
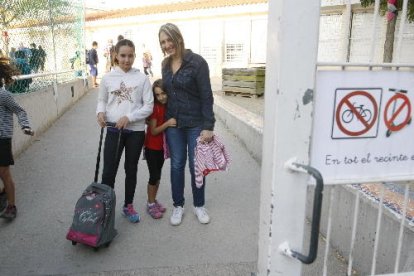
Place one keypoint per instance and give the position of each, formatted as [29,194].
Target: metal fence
[370,223]
[42,37]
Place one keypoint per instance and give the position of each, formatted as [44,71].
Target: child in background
[8,106]
[93,62]
[154,148]
[125,98]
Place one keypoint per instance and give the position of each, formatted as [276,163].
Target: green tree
[19,12]
[390,32]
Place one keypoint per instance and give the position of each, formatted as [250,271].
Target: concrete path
[51,175]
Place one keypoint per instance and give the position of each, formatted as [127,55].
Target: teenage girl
[125,98]
[154,148]
[8,106]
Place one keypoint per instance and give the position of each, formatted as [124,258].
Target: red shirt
[155,142]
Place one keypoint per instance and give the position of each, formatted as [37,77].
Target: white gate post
[293,29]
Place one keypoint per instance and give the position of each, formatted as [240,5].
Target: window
[209,53]
[234,52]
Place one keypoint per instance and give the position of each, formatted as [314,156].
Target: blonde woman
[190,101]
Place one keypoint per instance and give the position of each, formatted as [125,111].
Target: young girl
[8,106]
[154,150]
[125,98]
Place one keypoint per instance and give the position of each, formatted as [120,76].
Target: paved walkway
[51,175]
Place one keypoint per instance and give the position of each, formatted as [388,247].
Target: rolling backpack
[94,217]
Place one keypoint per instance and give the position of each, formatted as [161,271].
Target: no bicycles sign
[356,112]
[362,126]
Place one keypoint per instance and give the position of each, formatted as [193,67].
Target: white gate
[341,123]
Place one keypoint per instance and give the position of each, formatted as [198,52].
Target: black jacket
[190,99]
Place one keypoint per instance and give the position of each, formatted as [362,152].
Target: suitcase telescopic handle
[98,158]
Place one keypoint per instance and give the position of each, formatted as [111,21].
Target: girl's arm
[16,109]
[102,102]
[157,130]
[206,95]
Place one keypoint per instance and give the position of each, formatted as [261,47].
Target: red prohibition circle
[389,122]
[368,125]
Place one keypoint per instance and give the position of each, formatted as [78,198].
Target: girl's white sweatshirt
[126,94]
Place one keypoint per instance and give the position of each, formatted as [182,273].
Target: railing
[36,81]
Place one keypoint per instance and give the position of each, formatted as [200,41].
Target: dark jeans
[180,141]
[132,142]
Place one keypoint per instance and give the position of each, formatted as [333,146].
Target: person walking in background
[109,52]
[190,101]
[76,64]
[34,61]
[12,54]
[147,62]
[8,106]
[125,98]
[20,61]
[42,58]
[154,148]
[93,62]
[26,51]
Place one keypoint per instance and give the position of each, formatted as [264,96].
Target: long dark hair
[158,83]
[123,42]
[7,71]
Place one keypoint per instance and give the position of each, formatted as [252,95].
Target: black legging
[147,71]
[132,142]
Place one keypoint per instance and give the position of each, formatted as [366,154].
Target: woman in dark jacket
[190,101]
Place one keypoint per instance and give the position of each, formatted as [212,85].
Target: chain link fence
[44,40]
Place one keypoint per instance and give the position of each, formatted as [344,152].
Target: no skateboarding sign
[397,113]
[362,129]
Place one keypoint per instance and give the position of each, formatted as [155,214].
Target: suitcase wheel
[74,243]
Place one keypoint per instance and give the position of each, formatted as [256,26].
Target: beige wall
[43,108]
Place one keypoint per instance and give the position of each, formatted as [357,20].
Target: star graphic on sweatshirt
[123,93]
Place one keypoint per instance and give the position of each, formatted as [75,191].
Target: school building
[232,33]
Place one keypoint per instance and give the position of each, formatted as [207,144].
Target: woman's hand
[172,122]
[122,122]
[206,136]
[101,119]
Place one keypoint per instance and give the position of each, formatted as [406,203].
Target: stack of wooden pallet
[246,82]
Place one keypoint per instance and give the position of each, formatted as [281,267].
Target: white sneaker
[202,215]
[177,215]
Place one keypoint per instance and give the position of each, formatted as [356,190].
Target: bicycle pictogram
[348,115]
[356,113]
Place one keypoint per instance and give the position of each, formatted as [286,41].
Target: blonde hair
[174,33]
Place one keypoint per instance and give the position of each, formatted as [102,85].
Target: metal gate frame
[290,77]
[290,81]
